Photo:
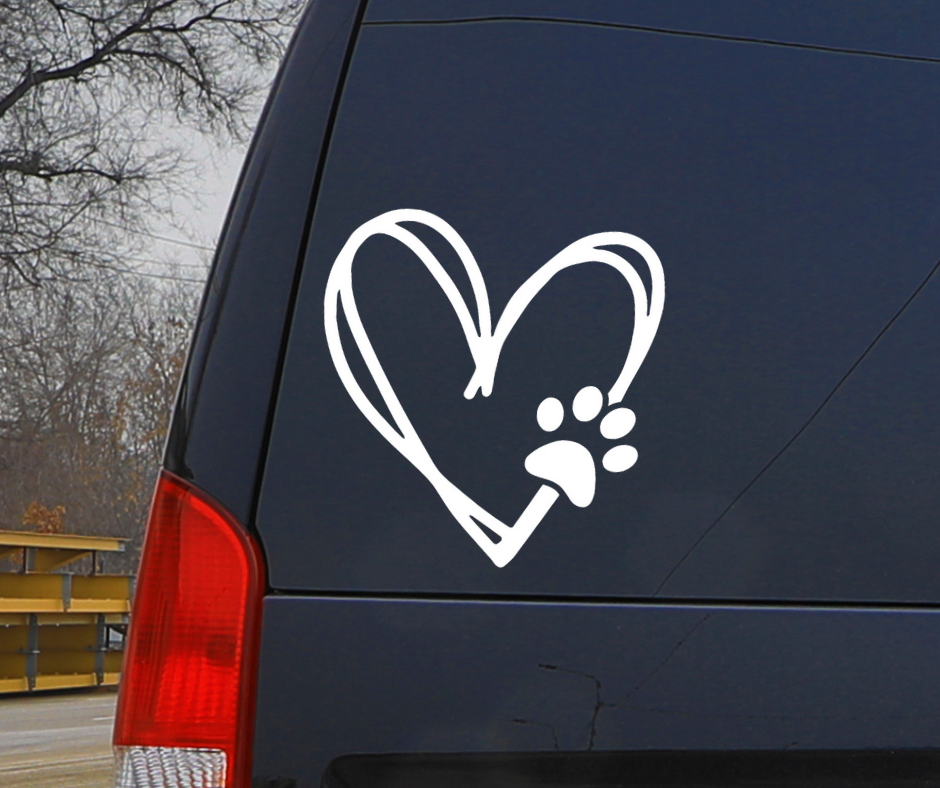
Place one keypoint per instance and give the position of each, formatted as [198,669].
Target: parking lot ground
[57,740]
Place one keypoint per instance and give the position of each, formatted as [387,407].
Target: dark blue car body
[757,600]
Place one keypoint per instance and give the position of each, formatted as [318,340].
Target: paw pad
[550,415]
[587,403]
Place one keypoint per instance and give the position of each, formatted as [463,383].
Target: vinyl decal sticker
[567,464]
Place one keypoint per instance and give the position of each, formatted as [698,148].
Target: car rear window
[786,436]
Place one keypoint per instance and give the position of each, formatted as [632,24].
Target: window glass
[902,27]
[792,198]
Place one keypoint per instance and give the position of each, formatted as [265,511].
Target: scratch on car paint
[675,650]
[551,728]
[599,702]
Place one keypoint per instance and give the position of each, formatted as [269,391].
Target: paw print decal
[565,464]
[568,464]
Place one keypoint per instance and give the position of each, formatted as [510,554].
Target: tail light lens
[186,704]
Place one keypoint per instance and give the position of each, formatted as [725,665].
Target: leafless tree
[86,90]
[88,371]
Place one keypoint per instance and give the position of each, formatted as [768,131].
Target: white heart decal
[485,345]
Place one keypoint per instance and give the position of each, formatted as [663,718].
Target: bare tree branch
[86,88]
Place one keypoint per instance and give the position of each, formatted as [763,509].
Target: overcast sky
[183,247]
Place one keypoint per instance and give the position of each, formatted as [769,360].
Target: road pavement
[62,740]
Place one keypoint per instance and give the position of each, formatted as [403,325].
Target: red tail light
[186,705]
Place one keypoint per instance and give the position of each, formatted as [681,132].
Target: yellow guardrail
[59,629]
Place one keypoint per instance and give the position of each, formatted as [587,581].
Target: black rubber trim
[302,253]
